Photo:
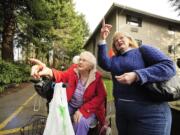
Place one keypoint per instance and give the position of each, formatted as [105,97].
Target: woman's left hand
[127,78]
[77,116]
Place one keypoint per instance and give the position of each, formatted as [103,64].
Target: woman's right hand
[105,30]
[40,69]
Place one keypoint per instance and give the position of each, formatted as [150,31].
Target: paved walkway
[18,107]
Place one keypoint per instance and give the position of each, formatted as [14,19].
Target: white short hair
[76,59]
[89,57]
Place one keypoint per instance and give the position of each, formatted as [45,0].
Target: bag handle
[143,57]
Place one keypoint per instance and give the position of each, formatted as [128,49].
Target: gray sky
[94,10]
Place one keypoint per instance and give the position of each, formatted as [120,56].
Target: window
[171,30]
[139,42]
[134,21]
[178,62]
[170,49]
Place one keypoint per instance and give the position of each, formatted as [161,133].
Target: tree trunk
[47,59]
[8,30]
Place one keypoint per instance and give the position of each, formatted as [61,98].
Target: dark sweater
[157,67]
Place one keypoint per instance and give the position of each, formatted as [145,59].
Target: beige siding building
[146,28]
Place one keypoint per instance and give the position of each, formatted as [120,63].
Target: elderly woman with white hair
[85,90]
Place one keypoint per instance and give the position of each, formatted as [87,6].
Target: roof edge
[114,5]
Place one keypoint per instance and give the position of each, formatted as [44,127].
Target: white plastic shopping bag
[58,121]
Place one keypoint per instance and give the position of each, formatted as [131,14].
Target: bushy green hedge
[13,73]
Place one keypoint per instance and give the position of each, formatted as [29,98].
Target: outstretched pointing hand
[105,30]
[39,69]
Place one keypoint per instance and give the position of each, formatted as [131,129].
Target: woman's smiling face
[121,43]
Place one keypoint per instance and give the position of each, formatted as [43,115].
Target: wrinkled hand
[127,78]
[39,69]
[77,116]
[105,30]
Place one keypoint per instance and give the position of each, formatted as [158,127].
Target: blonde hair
[132,41]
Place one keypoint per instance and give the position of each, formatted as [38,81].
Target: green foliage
[53,21]
[49,25]
[13,73]
[109,87]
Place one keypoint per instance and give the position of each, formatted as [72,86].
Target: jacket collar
[91,78]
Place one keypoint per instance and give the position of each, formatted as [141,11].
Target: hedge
[13,73]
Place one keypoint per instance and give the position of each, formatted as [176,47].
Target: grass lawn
[108,84]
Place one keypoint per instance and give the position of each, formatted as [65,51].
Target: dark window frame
[134,20]
[171,30]
[139,42]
